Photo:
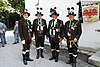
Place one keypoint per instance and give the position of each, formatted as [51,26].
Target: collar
[55,22]
[40,20]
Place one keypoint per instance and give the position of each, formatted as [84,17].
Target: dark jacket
[35,25]
[75,30]
[24,29]
[59,25]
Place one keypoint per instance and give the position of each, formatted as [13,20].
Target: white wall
[90,37]
[47,4]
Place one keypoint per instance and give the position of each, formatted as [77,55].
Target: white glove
[3,30]
[33,38]
[30,29]
[23,41]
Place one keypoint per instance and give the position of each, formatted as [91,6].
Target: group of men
[55,31]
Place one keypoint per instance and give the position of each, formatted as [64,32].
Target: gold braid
[73,43]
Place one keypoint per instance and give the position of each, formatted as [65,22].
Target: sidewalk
[10,56]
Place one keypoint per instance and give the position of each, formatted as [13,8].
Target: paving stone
[95,59]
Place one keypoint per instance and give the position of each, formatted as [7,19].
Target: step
[95,59]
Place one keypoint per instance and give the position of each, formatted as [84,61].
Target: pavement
[10,56]
[95,59]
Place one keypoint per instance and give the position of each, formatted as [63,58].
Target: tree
[11,10]
[18,5]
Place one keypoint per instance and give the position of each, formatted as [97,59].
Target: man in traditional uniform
[24,27]
[55,31]
[72,34]
[39,29]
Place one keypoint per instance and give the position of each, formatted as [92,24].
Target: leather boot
[42,56]
[24,59]
[70,59]
[74,62]
[56,56]
[27,57]
[37,57]
[53,55]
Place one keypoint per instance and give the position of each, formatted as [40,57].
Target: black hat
[71,12]
[39,11]
[53,12]
[26,11]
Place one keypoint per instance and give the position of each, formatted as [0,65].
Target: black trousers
[72,47]
[54,41]
[40,41]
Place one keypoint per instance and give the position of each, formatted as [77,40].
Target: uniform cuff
[23,41]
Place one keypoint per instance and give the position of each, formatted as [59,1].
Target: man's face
[25,16]
[39,16]
[71,17]
[54,17]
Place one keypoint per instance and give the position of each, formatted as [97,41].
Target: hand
[33,38]
[31,30]
[46,37]
[23,41]
[3,30]
[65,39]
[60,39]
[75,40]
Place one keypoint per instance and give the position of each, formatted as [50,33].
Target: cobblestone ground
[10,56]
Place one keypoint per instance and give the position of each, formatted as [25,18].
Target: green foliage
[17,4]
[11,10]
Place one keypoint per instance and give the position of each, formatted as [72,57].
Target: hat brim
[40,14]
[71,14]
[54,14]
[26,13]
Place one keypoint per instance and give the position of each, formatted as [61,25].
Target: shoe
[37,57]
[69,62]
[56,56]
[51,58]
[42,56]
[14,43]
[70,59]
[29,59]
[56,59]
[24,59]
[53,55]
[25,62]
[17,42]
[3,46]
[5,43]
